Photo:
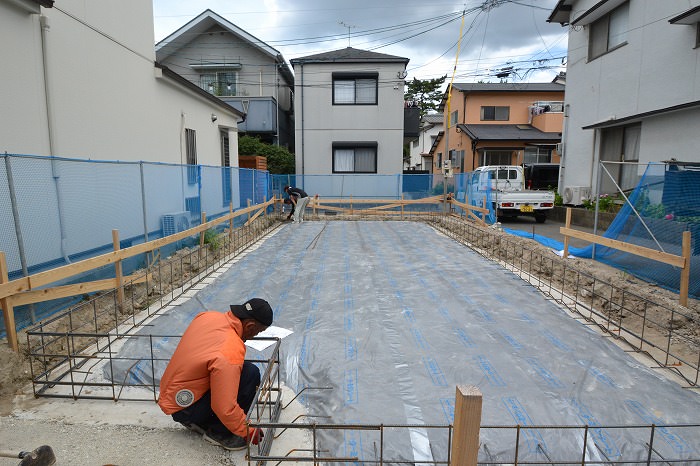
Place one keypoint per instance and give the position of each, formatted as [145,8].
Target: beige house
[349,112]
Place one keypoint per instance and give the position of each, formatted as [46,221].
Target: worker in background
[208,386]
[300,199]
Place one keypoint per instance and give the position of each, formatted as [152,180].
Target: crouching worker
[208,386]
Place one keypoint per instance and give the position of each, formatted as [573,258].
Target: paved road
[550,229]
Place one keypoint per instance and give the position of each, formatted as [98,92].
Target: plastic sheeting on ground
[393,315]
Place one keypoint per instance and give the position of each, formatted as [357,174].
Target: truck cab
[504,186]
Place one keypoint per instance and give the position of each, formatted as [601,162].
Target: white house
[228,62]
[430,126]
[349,112]
[632,89]
[81,81]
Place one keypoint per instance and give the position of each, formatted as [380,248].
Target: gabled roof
[202,24]
[350,55]
[508,133]
[561,13]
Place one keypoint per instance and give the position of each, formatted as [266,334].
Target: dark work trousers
[200,411]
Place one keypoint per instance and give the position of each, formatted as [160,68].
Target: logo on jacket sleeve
[184,397]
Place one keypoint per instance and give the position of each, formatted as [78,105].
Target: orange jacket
[209,356]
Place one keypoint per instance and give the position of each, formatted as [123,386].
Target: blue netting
[665,203]
[55,211]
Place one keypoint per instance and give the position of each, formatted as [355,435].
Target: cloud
[496,33]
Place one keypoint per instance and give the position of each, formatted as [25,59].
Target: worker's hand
[255,435]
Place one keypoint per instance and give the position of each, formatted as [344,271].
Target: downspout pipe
[45,26]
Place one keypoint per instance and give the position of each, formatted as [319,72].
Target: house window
[191,151]
[219,83]
[496,157]
[537,155]
[608,32]
[355,157]
[490,113]
[226,168]
[453,118]
[620,144]
[355,89]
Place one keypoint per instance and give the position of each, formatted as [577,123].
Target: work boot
[228,441]
[194,427]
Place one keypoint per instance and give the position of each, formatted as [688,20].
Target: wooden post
[351,204]
[118,272]
[465,439]
[566,237]
[202,233]
[249,211]
[483,205]
[315,204]
[685,272]
[401,206]
[8,312]
[230,221]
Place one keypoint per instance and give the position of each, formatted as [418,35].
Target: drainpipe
[45,26]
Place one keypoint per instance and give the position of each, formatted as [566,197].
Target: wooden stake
[685,272]
[118,272]
[203,232]
[8,311]
[465,440]
[566,237]
[401,206]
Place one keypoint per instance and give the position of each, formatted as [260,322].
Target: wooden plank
[465,440]
[64,291]
[8,311]
[51,276]
[649,253]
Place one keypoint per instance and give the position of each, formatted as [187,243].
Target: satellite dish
[402,74]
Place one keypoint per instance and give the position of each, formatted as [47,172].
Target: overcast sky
[496,33]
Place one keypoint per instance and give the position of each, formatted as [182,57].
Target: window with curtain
[349,158]
[226,167]
[219,83]
[492,113]
[351,89]
[609,32]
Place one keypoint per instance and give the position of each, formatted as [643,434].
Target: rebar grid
[71,354]
[648,327]
[67,348]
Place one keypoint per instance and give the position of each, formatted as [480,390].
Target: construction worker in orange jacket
[208,386]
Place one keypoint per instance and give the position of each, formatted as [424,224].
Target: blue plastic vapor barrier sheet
[394,315]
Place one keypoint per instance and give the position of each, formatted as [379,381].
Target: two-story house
[633,90]
[240,69]
[500,124]
[83,84]
[349,107]
[431,126]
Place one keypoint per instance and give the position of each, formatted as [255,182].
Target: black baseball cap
[255,308]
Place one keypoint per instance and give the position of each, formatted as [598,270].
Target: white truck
[505,186]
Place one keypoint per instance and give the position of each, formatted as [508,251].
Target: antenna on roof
[349,26]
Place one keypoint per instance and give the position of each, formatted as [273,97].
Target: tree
[279,160]
[426,92]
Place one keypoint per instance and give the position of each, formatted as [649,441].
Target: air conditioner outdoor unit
[575,195]
[175,222]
